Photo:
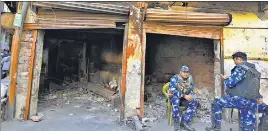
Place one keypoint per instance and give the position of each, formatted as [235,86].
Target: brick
[24,52]
[22,81]
[21,90]
[24,68]
[24,60]
[23,74]
[26,45]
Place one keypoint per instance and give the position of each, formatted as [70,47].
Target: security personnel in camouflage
[181,88]
[263,109]
[238,98]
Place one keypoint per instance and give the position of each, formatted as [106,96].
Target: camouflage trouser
[190,111]
[247,109]
[4,74]
[261,108]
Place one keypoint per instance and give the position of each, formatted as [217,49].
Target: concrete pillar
[22,74]
[134,60]
[25,48]
[36,72]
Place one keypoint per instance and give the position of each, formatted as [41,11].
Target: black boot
[214,126]
[177,125]
[187,127]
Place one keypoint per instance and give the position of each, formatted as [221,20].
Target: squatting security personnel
[262,108]
[242,89]
[5,62]
[181,88]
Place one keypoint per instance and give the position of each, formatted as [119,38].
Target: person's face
[184,74]
[238,60]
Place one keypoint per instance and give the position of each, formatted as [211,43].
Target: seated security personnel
[242,89]
[181,88]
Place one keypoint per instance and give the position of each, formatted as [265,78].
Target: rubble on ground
[37,117]
[156,110]
[138,126]
[3,109]
[113,84]
[78,98]
[150,97]
[155,105]
[205,99]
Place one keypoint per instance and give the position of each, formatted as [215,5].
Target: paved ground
[72,118]
[69,118]
[88,112]
[198,126]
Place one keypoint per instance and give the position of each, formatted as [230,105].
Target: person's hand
[170,95]
[224,76]
[188,97]
[260,101]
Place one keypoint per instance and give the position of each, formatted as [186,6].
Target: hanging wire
[55,17]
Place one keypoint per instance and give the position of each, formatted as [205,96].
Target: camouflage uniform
[262,109]
[246,106]
[180,87]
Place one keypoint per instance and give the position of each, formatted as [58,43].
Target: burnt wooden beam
[100,90]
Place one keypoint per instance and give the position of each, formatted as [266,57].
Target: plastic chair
[165,91]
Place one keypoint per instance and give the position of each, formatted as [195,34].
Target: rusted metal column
[134,60]
[13,70]
[124,73]
[143,50]
[14,60]
[30,79]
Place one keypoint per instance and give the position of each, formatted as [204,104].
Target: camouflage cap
[185,68]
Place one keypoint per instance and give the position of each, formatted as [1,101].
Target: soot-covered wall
[166,54]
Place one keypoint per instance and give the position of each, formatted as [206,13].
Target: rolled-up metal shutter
[78,15]
[182,30]
[60,19]
[118,8]
[187,17]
